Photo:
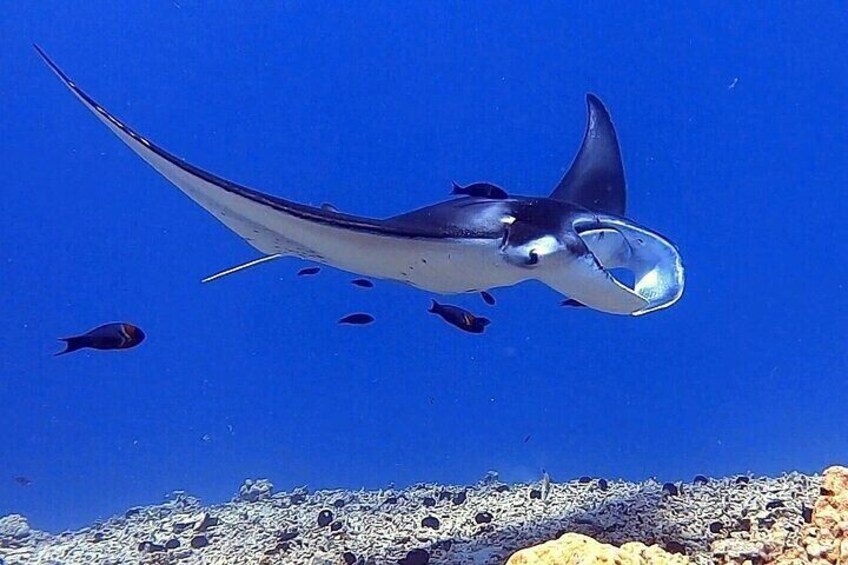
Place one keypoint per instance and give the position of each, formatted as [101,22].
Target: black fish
[23,481]
[462,319]
[363,283]
[118,335]
[571,302]
[481,190]
[358,319]
[308,271]
[487,298]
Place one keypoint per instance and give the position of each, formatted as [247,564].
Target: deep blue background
[733,129]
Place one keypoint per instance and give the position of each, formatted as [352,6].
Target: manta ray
[575,240]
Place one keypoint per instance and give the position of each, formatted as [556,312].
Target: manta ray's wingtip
[53,66]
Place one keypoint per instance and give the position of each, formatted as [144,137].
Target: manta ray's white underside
[441,265]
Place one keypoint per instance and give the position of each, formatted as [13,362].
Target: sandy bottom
[430,523]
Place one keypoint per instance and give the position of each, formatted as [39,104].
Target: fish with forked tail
[357,319]
[459,317]
[117,335]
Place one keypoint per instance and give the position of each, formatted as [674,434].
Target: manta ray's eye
[532,258]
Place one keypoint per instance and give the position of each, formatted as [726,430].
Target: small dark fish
[462,319]
[23,481]
[329,207]
[572,303]
[487,298]
[358,319]
[362,283]
[308,271]
[118,335]
[481,190]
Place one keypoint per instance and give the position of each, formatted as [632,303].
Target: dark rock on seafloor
[325,518]
[430,522]
[416,557]
[483,517]
[675,547]
[670,489]
[198,542]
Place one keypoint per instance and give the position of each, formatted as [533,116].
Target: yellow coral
[577,549]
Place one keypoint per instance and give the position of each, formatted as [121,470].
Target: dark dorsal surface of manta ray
[570,241]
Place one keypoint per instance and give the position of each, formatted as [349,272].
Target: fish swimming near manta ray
[116,335]
[571,240]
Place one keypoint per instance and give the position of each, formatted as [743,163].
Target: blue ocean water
[732,123]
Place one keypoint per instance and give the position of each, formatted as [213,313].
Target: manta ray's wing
[270,224]
[595,179]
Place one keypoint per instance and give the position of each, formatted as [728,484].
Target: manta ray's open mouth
[655,264]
